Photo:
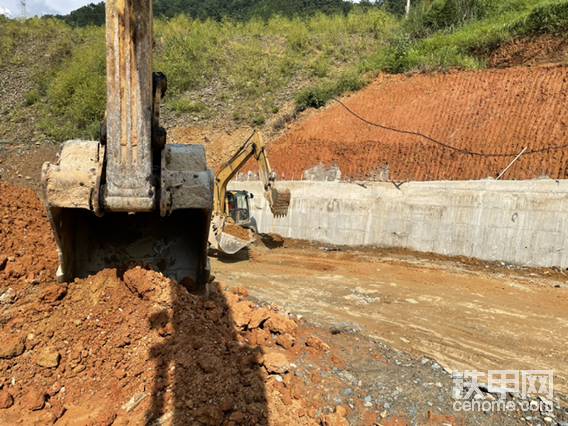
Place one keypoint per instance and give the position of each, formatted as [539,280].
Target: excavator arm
[221,236]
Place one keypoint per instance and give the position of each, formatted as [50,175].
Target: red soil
[546,49]
[140,349]
[496,111]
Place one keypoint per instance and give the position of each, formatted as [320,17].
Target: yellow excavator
[130,199]
[232,221]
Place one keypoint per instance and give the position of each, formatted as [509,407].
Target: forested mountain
[94,14]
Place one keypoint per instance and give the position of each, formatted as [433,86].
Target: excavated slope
[494,111]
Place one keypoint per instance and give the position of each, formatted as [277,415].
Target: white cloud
[5,11]
[43,7]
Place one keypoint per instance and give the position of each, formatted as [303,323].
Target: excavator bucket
[130,199]
[227,237]
[89,238]
[279,201]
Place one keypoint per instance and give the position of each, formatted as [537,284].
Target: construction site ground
[290,333]
[294,332]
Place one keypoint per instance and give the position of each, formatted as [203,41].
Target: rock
[258,317]
[54,389]
[8,297]
[119,373]
[14,269]
[241,312]
[34,400]
[3,261]
[227,404]
[48,358]
[317,343]
[32,279]
[334,420]
[281,325]
[208,363]
[239,291]
[276,362]
[260,337]
[53,293]
[6,399]
[285,340]
[134,402]
[79,368]
[11,347]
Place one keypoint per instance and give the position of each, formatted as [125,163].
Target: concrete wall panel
[520,222]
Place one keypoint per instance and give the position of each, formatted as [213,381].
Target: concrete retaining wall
[519,222]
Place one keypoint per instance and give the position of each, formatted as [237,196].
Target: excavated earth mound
[139,348]
[494,111]
[546,49]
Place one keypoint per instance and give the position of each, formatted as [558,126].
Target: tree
[94,14]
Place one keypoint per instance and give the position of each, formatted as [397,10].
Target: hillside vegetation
[248,71]
[94,13]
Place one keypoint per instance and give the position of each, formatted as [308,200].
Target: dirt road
[465,317]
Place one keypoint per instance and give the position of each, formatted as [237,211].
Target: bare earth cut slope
[491,112]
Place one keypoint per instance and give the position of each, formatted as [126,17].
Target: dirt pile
[546,49]
[141,348]
[27,254]
[494,111]
[237,231]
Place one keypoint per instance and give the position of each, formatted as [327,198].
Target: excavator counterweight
[130,199]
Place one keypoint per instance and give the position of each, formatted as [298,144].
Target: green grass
[468,46]
[247,71]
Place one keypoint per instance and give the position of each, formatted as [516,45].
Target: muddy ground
[467,317]
[326,337]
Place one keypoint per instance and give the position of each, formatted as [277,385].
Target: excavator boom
[130,199]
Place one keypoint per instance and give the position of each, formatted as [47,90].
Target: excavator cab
[238,206]
[130,199]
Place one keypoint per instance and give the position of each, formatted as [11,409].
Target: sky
[41,7]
